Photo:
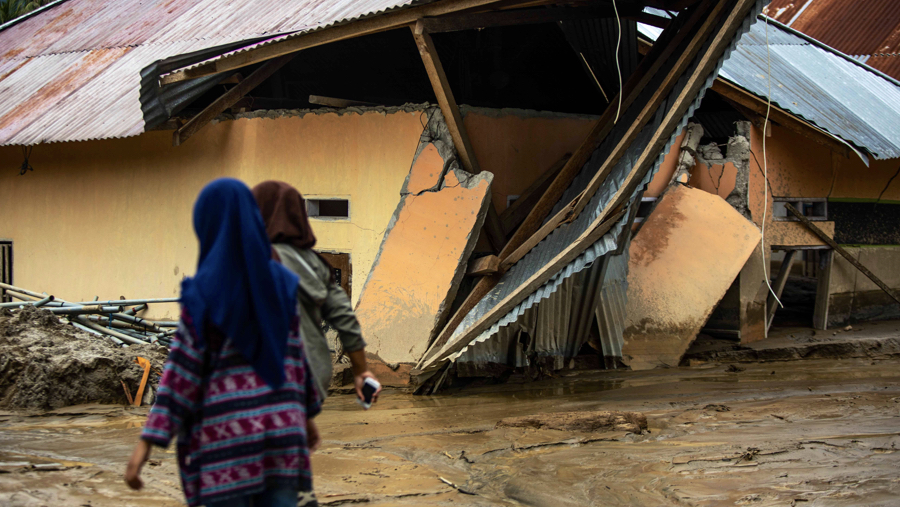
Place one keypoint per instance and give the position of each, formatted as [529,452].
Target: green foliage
[12,9]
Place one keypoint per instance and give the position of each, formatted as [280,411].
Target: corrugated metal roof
[857,28]
[836,93]
[565,235]
[73,72]
[560,325]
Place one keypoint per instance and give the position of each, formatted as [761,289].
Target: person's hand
[133,471]
[313,437]
[360,379]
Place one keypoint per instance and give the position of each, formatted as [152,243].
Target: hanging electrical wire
[618,66]
[762,243]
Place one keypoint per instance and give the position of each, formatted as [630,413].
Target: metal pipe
[127,302]
[136,309]
[42,302]
[20,296]
[78,310]
[136,320]
[27,292]
[166,323]
[107,322]
[98,333]
[121,336]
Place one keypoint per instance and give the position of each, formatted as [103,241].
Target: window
[328,208]
[6,265]
[811,208]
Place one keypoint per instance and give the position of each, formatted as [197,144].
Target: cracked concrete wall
[407,297]
[680,266]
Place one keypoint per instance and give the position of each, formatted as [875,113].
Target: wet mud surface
[815,432]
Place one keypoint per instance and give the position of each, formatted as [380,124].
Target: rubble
[45,364]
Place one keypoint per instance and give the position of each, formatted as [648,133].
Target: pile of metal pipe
[115,320]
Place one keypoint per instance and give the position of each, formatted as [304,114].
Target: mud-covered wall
[112,218]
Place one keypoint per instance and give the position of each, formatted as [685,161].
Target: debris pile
[115,320]
[45,364]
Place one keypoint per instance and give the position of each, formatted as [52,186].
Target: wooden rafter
[755,108]
[228,99]
[367,26]
[614,210]
[455,125]
[472,21]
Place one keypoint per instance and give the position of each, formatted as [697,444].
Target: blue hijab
[238,288]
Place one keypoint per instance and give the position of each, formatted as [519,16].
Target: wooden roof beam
[455,125]
[367,26]
[228,99]
[458,22]
[754,108]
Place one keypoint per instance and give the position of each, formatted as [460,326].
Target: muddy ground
[812,432]
[46,364]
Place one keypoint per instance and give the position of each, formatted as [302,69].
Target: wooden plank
[367,26]
[518,210]
[445,99]
[745,100]
[474,21]
[837,248]
[650,19]
[139,396]
[571,211]
[483,266]
[228,99]
[778,286]
[338,103]
[450,110]
[823,295]
[680,105]
[646,70]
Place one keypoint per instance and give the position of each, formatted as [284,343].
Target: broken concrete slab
[682,262]
[423,257]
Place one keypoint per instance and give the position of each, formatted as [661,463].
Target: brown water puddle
[821,431]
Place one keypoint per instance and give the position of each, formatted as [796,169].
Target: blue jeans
[275,497]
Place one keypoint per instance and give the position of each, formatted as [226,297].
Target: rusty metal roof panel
[73,71]
[857,28]
[78,25]
[836,93]
[79,96]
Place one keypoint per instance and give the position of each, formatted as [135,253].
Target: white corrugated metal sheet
[72,72]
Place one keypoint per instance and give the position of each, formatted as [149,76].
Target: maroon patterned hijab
[284,212]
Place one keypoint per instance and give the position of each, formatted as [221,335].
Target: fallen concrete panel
[682,262]
[422,258]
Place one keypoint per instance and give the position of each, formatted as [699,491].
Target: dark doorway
[343,269]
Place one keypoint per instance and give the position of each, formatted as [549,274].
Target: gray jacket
[320,300]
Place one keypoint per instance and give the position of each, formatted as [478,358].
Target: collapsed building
[602,198]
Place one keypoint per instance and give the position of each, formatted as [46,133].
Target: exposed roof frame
[301,41]
[752,106]
[474,21]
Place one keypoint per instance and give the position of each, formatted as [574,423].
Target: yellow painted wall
[112,218]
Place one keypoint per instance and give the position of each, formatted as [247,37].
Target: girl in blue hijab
[236,388]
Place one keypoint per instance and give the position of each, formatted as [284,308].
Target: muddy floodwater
[816,432]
